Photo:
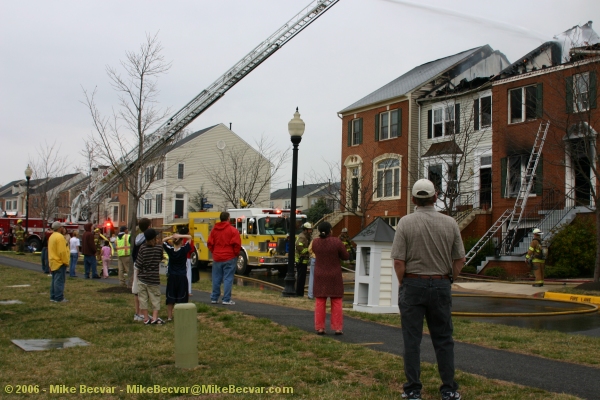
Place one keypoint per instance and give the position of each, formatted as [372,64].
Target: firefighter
[535,258]
[98,243]
[19,234]
[124,256]
[302,257]
[348,243]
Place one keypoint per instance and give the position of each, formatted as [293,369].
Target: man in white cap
[535,258]
[58,258]
[302,257]
[427,250]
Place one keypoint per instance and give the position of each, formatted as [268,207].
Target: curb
[573,297]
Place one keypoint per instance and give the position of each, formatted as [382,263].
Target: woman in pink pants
[329,251]
[106,253]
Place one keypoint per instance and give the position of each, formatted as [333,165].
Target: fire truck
[35,230]
[263,233]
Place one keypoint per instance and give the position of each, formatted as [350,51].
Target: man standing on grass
[88,248]
[124,256]
[58,256]
[225,244]
[427,251]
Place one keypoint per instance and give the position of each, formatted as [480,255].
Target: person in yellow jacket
[58,258]
[19,234]
[535,258]
[124,257]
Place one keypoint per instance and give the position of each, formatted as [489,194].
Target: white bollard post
[186,335]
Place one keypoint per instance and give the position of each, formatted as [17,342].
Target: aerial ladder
[509,216]
[157,140]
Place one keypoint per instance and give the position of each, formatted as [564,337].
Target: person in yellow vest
[58,257]
[302,257]
[535,258]
[124,256]
[19,234]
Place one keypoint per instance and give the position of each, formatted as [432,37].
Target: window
[434,174]
[123,213]
[180,171]
[388,178]
[148,206]
[482,113]
[391,221]
[355,132]
[115,213]
[160,171]
[443,120]
[388,125]
[159,203]
[513,172]
[287,204]
[525,103]
[581,92]
[149,174]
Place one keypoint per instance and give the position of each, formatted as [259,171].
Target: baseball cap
[536,231]
[150,234]
[122,228]
[56,225]
[423,189]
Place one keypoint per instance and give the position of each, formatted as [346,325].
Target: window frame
[525,107]
[158,206]
[356,132]
[180,171]
[148,206]
[576,94]
[388,115]
[446,121]
[389,175]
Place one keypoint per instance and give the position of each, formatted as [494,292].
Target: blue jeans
[430,299]
[45,264]
[311,279]
[222,272]
[57,287]
[89,264]
[73,264]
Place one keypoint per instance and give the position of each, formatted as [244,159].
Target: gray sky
[51,49]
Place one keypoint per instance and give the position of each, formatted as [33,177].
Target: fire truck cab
[263,234]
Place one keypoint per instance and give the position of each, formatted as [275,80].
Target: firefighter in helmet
[348,243]
[302,257]
[535,258]
[19,234]
[98,243]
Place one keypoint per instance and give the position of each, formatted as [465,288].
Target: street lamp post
[28,173]
[296,129]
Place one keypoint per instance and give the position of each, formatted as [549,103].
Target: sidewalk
[498,288]
[550,375]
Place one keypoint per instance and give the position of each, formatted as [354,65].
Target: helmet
[536,231]
[307,225]
[96,230]
[344,230]
[19,221]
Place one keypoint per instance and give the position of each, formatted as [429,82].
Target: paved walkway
[550,375]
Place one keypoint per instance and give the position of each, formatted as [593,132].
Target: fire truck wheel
[242,267]
[194,259]
[35,243]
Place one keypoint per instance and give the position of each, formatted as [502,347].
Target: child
[106,255]
[148,265]
[177,280]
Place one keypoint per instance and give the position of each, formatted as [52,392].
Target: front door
[485,188]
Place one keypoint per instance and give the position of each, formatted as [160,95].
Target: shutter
[539,177]
[360,131]
[429,124]
[503,177]
[457,118]
[592,90]
[399,122]
[349,133]
[377,127]
[539,101]
[476,114]
[569,94]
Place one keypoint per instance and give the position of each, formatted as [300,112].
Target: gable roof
[189,138]
[376,231]
[303,190]
[413,79]
[8,186]
[51,183]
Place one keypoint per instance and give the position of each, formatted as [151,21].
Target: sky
[51,51]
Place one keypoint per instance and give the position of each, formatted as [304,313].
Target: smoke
[488,23]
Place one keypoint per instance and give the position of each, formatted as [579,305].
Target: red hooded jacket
[224,242]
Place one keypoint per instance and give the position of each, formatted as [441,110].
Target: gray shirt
[428,241]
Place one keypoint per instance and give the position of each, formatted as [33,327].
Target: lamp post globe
[296,129]
[28,172]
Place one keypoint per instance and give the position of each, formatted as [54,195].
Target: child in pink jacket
[106,256]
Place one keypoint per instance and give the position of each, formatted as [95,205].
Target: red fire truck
[35,229]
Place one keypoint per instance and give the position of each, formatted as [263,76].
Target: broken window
[434,174]
[513,186]
[525,103]
[580,92]
[486,111]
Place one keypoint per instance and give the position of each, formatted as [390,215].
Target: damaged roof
[413,79]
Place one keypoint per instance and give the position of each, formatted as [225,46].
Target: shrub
[572,252]
[498,272]
[486,251]
[469,269]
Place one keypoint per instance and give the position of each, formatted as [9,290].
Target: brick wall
[478,227]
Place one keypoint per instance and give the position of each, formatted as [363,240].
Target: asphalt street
[550,375]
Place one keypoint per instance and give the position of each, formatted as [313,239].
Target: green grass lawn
[234,349]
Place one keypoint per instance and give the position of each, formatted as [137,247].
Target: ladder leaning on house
[521,200]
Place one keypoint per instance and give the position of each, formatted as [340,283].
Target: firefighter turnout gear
[19,234]
[124,260]
[535,258]
[302,257]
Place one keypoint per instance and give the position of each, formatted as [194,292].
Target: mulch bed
[589,286]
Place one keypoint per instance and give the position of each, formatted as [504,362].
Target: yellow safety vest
[123,248]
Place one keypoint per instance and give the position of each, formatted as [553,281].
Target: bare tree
[49,166]
[196,202]
[124,135]
[247,173]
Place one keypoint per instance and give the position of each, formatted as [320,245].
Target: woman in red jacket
[329,251]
